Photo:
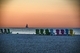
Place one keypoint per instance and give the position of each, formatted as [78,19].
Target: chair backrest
[66,31]
[62,31]
[1,31]
[41,31]
[47,32]
[71,32]
[57,31]
[37,31]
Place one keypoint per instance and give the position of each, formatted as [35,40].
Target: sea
[24,43]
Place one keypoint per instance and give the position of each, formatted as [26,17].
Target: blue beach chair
[52,32]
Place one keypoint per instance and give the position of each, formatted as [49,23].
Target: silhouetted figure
[62,31]
[26,25]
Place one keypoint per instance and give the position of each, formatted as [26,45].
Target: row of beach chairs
[5,31]
[57,32]
[45,31]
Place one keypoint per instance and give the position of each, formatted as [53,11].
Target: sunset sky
[40,13]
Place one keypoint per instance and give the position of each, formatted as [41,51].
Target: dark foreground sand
[39,44]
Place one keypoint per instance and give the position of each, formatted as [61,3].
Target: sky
[40,13]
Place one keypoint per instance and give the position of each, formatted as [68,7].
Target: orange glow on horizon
[45,13]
